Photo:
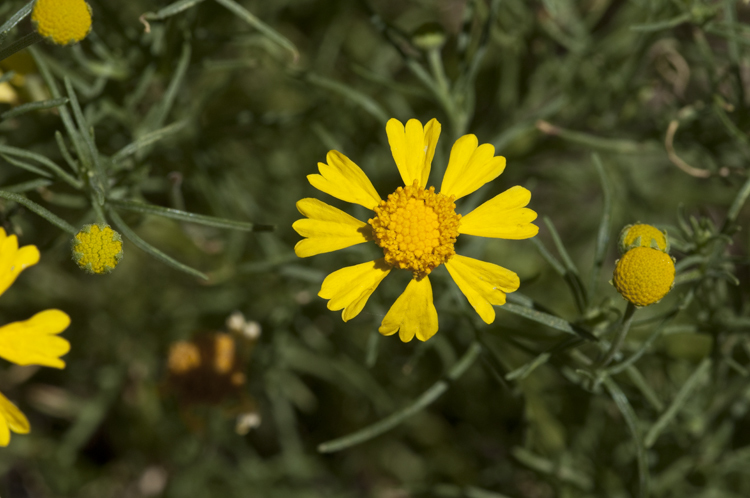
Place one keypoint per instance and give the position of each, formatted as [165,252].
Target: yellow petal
[345,180]
[327,229]
[13,260]
[349,288]
[413,313]
[34,341]
[470,167]
[484,284]
[413,148]
[503,217]
[11,419]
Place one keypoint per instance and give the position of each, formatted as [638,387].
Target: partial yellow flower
[416,227]
[62,21]
[31,342]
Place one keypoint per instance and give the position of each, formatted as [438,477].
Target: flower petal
[34,341]
[349,288]
[413,148]
[503,217]
[413,313]
[484,284]
[13,260]
[11,418]
[327,229]
[470,167]
[345,180]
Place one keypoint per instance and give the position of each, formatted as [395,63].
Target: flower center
[416,228]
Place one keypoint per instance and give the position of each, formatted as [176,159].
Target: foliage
[190,126]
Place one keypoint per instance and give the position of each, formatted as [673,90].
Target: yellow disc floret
[416,228]
[641,235]
[62,21]
[97,248]
[644,275]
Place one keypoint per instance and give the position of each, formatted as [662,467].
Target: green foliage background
[609,111]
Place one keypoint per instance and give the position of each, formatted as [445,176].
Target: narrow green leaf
[41,211]
[607,144]
[20,44]
[7,76]
[158,114]
[171,9]
[357,97]
[682,396]
[33,106]
[602,238]
[388,423]
[553,262]
[662,25]
[632,421]
[25,154]
[189,217]
[547,319]
[26,186]
[145,246]
[147,140]
[268,31]
[26,166]
[17,17]
[572,276]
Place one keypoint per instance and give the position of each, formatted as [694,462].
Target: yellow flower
[62,21]
[31,342]
[642,235]
[97,248]
[644,275]
[416,227]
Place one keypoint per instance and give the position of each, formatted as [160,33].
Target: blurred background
[609,111]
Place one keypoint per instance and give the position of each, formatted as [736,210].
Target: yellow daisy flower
[31,342]
[416,227]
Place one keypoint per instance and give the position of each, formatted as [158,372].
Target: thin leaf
[20,44]
[16,18]
[26,186]
[171,9]
[632,421]
[572,276]
[145,246]
[682,396]
[388,423]
[547,319]
[25,154]
[26,166]
[146,140]
[662,25]
[33,106]
[41,211]
[189,217]
[602,238]
[264,28]
[357,97]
